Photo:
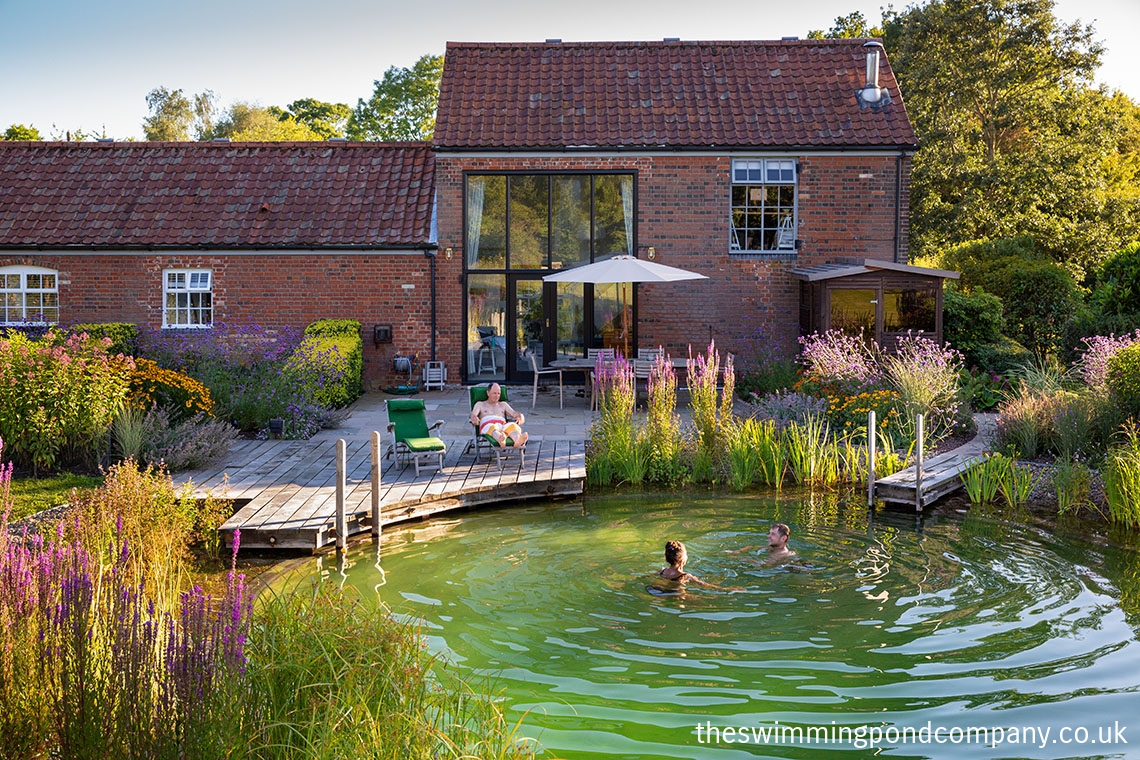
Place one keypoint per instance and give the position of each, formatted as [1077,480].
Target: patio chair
[479,442]
[549,371]
[411,436]
[641,370]
[649,353]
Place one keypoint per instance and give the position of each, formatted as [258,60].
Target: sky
[88,64]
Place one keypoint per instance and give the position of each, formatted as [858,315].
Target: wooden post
[871,458]
[376,485]
[341,519]
[918,463]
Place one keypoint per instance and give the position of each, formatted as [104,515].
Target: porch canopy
[881,298]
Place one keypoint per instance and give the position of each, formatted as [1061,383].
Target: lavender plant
[788,407]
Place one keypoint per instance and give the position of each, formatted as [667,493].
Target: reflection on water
[882,621]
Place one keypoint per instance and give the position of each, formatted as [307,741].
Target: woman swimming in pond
[676,556]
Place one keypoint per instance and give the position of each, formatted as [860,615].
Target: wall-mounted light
[872,95]
[447,252]
[652,252]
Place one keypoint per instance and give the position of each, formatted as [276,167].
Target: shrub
[1092,367]
[982,389]
[186,445]
[124,336]
[1002,357]
[327,368]
[177,392]
[972,320]
[776,375]
[57,402]
[1040,299]
[786,408]
[836,356]
[925,376]
[1118,288]
[1124,378]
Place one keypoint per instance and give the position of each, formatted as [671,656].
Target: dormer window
[763,214]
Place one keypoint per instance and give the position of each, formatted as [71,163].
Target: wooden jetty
[940,477]
[287,489]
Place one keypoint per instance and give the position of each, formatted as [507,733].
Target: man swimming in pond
[778,551]
[491,418]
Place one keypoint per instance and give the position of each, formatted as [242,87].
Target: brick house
[754,163]
[186,235]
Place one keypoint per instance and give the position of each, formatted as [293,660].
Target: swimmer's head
[675,553]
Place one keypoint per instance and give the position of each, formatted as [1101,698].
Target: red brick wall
[847,208]
[272,290]
[683,210]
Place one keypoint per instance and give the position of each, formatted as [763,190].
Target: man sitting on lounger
[491,416]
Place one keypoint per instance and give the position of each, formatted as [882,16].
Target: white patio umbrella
[623,269]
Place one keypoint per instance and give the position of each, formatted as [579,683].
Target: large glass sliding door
[521,226]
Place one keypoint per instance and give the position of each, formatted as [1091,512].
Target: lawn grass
[31,495]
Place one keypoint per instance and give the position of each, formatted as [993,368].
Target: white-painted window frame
[29,290]
[187,299]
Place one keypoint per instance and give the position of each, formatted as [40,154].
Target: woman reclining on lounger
[491,417]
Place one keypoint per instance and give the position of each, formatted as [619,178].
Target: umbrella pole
[625,320]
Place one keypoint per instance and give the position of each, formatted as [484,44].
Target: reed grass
[1122,479]
[338,677]
[1072,482]
[982,480]
[812,457]
[1015,483]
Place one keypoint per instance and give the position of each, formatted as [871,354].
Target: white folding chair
[435,375]
[549,371]
[649,353]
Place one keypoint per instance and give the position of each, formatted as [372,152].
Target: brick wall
[847,208]
[272,290]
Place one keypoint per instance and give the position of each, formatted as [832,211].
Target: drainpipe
[898,198]
[430,253]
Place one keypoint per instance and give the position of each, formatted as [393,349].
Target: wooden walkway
[287,489]
[940,476]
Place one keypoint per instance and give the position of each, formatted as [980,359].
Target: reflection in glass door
[530,325]
[486,328]
[570,319]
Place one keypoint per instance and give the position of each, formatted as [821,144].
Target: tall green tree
[173,116]
[1013,137]
[403,105]
[244,122]
[852,26]
[21,132]
[325,119]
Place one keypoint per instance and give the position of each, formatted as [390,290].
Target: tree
[20,132]
[325,119]
[245,122]
[1013,138]
[173,116]
[403,104]
[851,26]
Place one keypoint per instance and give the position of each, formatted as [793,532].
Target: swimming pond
[935,638]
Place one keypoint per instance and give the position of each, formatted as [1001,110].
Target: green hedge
[329,363]
[971,321]
[124,336]
[330,327]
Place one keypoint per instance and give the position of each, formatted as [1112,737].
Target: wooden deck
[940,476]
[287,489]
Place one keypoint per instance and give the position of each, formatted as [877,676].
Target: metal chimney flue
[872,95]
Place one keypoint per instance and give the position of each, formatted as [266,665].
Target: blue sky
[90,64]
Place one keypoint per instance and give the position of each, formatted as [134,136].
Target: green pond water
[925,632]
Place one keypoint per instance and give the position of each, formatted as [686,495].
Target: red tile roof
[640,95]
[215,195]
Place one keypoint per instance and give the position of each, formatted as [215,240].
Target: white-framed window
[29,295]
[188,298]
[763,214]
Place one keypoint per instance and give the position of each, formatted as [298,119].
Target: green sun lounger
[411,436]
